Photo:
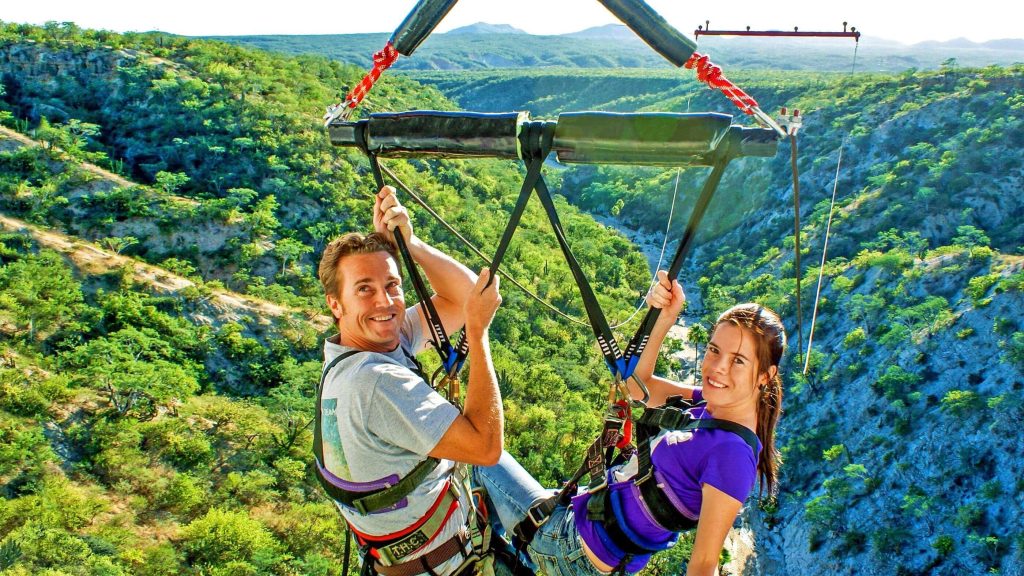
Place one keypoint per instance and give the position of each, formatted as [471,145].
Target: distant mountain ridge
[616,31]
[497,46]
[485,28]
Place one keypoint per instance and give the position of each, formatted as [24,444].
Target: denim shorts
[556,549]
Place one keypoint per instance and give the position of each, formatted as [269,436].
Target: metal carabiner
[448,386]
[340,111]
[624,390]
[768,122]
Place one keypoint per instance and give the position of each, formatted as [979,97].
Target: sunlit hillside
[164,200]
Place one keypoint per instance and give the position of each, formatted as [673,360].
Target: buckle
[536,516]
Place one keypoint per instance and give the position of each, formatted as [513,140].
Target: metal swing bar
[706,30]
[657,139]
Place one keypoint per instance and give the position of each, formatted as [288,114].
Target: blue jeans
[556,549]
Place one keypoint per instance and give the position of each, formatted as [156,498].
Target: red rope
[711,75]
[381,61]
[627,428]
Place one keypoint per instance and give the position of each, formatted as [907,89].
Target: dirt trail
[101,172]
[95,260]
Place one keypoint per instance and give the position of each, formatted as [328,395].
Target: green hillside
[164,201]
[158,431]
[919,331]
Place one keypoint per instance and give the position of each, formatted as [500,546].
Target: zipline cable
[661,256]
[824,251]
[796,241]
[824,248]
[828,229]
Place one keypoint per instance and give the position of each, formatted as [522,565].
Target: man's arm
[477,435]
[450,280]
[668,296]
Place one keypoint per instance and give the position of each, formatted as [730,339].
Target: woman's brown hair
[770,342]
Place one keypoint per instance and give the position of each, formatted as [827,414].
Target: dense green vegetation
[175,425]
[150,428]
[918,326]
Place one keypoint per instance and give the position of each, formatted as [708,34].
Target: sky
[906,21]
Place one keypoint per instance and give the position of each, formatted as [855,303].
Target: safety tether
[382,60]
[451,359]
[796,240]
[711,74]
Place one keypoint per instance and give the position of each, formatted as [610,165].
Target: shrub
[943,545]
[159,560]
[855,339]
[979,286]
[897,336]
[223,536]
[1014,349]
[970,515]
[896,382]
[991,490]
[889,540]
[961,402]
[184,495]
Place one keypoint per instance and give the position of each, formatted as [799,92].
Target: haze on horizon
[907,23]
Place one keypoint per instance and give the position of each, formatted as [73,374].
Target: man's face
[369,304]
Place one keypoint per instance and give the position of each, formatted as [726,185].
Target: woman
[709,472]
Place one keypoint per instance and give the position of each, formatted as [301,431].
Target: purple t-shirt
[686,461]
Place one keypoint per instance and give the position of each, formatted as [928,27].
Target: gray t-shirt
[379,420]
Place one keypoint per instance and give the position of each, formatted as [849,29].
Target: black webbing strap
[364,502]
[438,336]
[678,418]
[673,416]
[639,341]
[598,322]
[594,465]
[534,150]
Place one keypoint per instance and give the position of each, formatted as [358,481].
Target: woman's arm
[718,511]
[668,296]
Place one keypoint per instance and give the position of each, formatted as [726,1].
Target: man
[387,444]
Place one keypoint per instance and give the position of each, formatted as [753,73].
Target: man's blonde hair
[351,243]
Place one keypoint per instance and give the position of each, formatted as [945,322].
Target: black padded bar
[649,139]
[653,29]
[436,134]
[420,22]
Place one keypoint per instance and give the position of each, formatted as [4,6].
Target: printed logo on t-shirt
[678,436]
[334,456]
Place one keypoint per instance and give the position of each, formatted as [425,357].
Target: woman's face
[730,371]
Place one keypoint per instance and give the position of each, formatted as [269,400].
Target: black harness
[674,415]
[368,501]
